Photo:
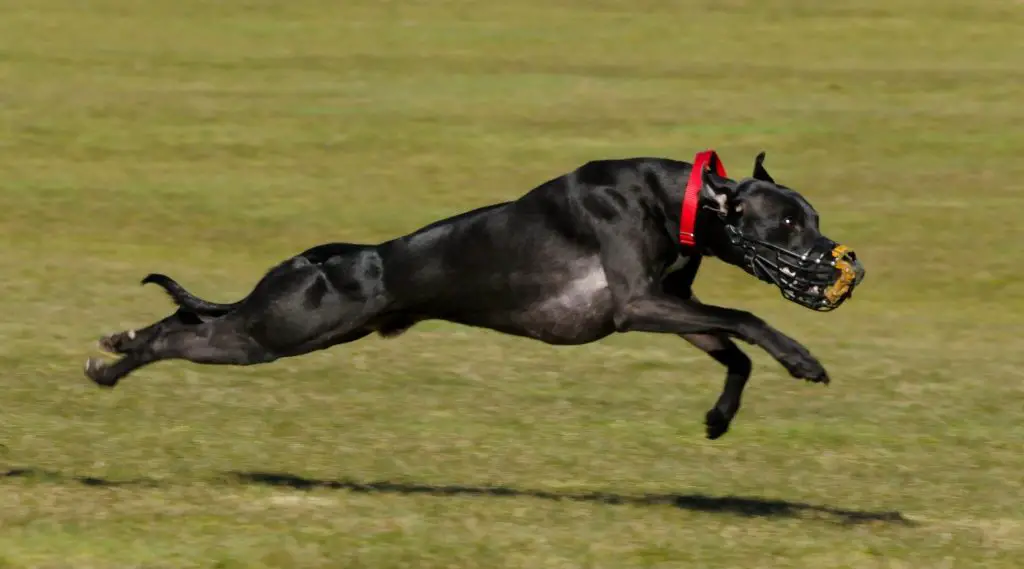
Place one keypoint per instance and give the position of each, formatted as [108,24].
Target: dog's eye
[788,221]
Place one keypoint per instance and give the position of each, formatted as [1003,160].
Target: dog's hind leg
[130,340]
[297,308]
[218,343]
[214,342]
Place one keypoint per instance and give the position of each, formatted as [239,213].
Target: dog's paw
[98,371]
[802,365]
[119,343]
[716,423]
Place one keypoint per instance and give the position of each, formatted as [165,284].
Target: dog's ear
[716,192]
[759,172]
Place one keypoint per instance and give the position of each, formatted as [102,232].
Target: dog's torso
[534,267]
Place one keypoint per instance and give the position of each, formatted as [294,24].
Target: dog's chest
[585,283]
[576,309]
[587,286]
[677,264]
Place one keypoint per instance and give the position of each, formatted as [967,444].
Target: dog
[611,247]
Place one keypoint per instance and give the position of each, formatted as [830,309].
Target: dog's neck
[709,228]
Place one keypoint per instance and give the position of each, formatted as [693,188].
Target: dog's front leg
[630,258]
[655,312]
[737,366]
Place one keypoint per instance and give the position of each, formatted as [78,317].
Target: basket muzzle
[820,278]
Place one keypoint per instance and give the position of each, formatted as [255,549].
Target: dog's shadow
[734,505]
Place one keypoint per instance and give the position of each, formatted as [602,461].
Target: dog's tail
[187,300]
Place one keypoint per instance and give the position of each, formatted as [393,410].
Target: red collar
[691,198]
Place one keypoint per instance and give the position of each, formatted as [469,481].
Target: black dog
[612,247]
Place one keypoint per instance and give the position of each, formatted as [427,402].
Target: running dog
[611,247]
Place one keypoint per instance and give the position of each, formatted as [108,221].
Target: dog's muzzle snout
[821,278]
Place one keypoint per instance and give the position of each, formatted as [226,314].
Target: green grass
[210,140]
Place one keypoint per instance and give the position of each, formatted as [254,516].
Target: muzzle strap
[691,197]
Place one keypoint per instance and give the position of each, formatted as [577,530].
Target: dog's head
[772,232]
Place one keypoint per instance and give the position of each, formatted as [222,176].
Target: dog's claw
[805,366]
[94,370]
[105,343]
[119,342]
[716,423]
[820,376]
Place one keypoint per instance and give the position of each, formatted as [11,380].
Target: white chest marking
[587,282]
[679,263]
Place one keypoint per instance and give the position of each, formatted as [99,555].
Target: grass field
[209,140]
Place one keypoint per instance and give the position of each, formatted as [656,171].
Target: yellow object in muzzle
[846,279]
